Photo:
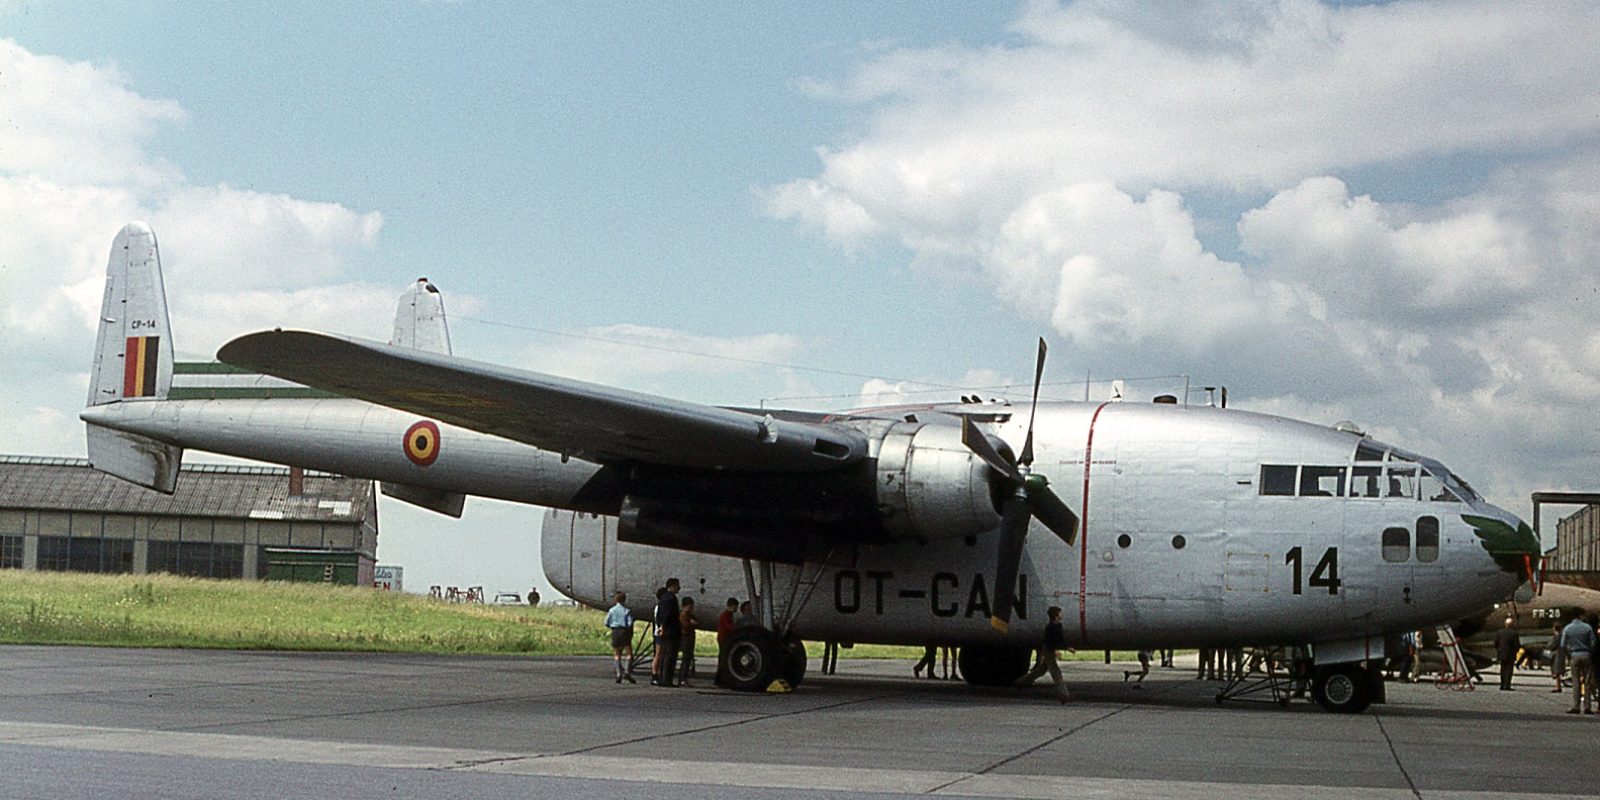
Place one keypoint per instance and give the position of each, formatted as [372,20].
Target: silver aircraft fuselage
[1199,525]
[1179,543]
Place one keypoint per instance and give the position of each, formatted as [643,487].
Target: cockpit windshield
[1378,471]
[1452,482]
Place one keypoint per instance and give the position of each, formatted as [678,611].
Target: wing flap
[582,420]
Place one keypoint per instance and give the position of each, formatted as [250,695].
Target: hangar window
[1322,481]
[1396,544]
[1427,539]
[197,559]
[162,557]
[54,553]
[10,552]
[1277,479]
[118,556]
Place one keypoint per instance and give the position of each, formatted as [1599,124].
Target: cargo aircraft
[1150,525]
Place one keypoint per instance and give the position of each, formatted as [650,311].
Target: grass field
[168,611]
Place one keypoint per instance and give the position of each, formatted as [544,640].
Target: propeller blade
[1048,507]
[1014,518]
[1038,375]
[979,444]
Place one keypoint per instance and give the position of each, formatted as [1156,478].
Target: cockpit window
[1402,480]
[1278,479]
[1366,480]
[1322,481]
[1435,490]
[1366,451]
[1471,493]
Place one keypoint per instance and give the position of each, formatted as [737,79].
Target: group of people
[674,626]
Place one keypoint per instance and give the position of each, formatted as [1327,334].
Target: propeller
[1027,496]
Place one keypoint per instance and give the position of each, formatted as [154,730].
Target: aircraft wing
[583,420]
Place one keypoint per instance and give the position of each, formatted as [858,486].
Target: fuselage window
[1402,480]
[1322,481]
[1397,545]
[1366,480]
[1278,479]
[1427,539]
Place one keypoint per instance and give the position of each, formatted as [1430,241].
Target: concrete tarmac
[92,722]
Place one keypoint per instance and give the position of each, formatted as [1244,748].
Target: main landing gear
[993,665]
[758,656]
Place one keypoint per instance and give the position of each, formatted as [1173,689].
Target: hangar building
[222,522]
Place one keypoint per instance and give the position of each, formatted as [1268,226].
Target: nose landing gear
[1344,688]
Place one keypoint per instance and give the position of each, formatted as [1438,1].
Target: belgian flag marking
[139,367]
[422,443]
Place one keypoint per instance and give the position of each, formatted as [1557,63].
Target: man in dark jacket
[1506,645]
[1055,638]
[669,633]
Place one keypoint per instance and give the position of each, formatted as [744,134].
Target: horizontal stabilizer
[134,458]
[449,504]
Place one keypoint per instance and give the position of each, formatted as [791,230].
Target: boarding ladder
[1455,674]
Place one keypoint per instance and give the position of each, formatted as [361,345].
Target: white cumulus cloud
[74,167]
[1077,169]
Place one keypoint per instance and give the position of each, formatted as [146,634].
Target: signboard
[387,578]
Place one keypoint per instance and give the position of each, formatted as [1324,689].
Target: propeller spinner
[1027,496]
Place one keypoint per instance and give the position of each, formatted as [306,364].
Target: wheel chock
[779,686]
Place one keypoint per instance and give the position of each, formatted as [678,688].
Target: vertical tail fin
[420,325]
[133,353]
[419,321]
[133,360]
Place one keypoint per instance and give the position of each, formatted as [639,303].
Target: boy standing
[620,622]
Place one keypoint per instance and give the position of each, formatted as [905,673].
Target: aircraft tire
[1342,688]
[793,668]
[985,665]
[754,657]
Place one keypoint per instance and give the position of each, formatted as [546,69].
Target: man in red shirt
[725,630]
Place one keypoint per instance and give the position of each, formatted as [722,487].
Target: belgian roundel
[422,443]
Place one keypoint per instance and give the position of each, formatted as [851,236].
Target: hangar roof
[204,490]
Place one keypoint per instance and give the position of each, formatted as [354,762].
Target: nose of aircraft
[1510,542]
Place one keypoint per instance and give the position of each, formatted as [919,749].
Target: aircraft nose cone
[1511,542]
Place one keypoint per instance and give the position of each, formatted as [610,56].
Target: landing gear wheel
[984,665]
[794,662]
[754,656]
[1342,688]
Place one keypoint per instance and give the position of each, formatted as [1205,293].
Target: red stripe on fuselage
[1083,532]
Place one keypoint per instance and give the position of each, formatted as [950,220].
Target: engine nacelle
[930,486]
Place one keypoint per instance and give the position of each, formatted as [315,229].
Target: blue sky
[1384,213]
